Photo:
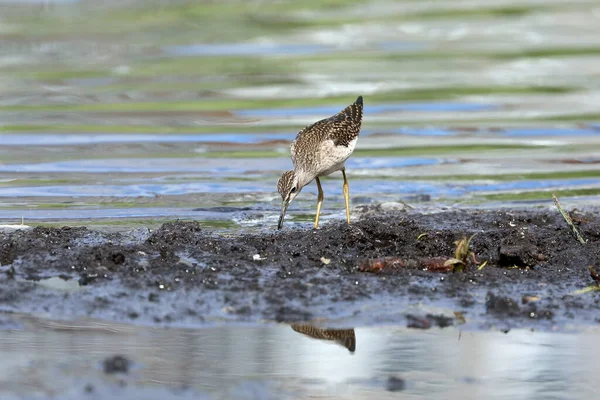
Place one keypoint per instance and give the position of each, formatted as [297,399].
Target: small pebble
[116,364]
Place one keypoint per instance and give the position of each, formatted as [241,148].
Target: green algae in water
[540,195]
[237,104]
[488,177]
[399,151]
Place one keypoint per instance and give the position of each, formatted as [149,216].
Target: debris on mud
[185,273]
[462,255]
[529,299]
[593,274]
[460,318]
[461,260]
[433,264]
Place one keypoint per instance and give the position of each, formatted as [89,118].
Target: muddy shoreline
[183,274]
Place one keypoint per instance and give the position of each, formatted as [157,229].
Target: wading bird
[319,150]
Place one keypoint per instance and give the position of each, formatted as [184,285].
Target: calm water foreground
[274,361]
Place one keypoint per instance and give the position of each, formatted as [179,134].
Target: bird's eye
[293,190]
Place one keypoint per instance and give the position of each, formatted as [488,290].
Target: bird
[344,337]
[319,150]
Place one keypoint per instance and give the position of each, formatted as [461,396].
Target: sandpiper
[319,150]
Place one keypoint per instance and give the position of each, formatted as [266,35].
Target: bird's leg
[346,196]
[319,201]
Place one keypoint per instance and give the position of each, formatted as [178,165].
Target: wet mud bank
[521,269]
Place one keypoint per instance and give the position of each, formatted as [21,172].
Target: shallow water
[277,361]
[488,105]
[118,115]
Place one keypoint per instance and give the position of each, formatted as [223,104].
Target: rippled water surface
[150,110]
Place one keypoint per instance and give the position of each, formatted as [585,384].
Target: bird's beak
[284,207]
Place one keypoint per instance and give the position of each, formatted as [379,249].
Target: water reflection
[274,359]
[344,337]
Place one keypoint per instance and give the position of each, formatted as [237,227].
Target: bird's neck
[303,177]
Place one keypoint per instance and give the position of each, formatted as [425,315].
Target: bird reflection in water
[344,337]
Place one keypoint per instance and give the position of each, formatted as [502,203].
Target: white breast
[332,157]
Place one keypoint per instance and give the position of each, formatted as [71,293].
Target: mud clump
[184,272]
[52,240]
[504,306]
[175,234]
[520,255]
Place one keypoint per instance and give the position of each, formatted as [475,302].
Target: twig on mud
[591,288]
[568,220]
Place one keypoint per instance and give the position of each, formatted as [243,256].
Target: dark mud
[184,274]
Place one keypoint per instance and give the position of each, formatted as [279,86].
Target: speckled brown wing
[342,129]
[345,126]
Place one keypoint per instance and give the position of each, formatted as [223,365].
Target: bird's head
[288,187]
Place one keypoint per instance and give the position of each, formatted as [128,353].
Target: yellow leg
[319,202]
[346,196]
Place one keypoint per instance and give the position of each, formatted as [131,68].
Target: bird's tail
[354,112]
